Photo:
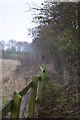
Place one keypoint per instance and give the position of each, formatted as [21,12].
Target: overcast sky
[14,21]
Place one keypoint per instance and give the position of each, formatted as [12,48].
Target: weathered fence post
[36,86]
[41,82]
[32,99]
[15,106]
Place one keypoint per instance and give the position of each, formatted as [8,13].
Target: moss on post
[43,76]
[32,98]
[15,106]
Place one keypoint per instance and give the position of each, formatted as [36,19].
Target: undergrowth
[58,101]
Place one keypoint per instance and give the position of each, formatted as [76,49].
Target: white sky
[14,21]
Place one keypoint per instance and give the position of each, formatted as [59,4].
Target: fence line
[13,106]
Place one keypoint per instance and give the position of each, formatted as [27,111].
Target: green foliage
[58,102]
[58,32]
[69,44]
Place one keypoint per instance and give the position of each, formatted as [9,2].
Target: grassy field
[7,65]
[7,68]
[14,77]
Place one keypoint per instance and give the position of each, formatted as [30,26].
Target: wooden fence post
[15,106]
[32,99]
[41,82]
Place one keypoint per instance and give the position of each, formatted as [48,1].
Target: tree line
[13,45]
[57,32]
[13,49]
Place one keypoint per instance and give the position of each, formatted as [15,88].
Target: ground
[58,100]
